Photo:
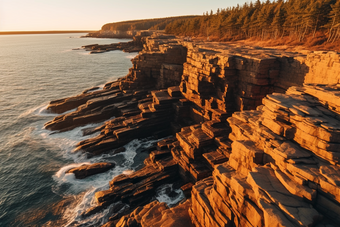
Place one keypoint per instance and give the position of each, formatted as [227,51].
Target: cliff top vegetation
[145,24]
[295,22]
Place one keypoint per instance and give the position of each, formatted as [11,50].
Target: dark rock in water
[132,46]
[97,51]
[138,188]
[66,104]
[84,171]
[153,119]
[96,109]
[119,150]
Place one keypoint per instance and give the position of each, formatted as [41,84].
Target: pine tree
[278,20]
[258,4]
[253,23]
[334,22]
[265,18]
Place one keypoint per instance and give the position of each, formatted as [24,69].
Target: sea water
[34,188]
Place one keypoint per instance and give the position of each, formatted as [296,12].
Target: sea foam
[66,184]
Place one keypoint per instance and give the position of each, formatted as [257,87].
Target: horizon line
[44,32]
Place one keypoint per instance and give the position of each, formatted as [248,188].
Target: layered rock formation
[153,117]
[137,189]
[218,79]
[159,65]
[275,163]
[283,165]
[91,107]
[158,215]
[318,67]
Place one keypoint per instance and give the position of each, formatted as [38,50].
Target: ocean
[34,189]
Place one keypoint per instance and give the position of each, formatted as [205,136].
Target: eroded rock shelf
[252,135]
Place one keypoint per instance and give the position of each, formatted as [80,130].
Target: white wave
[92,184]
[67,140]
[39,110]
[62,172]
[42,111]
[95,183]
[45,112]
[98,219]
[67,184]
[74,215]
[131,56]
[162,195]
[128,172]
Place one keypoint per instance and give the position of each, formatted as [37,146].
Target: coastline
[209,97]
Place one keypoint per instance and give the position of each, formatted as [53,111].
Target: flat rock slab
[174,91]
[298,211]
[215,158]
[290,150]
[162,97]
[332,173]
[84,171]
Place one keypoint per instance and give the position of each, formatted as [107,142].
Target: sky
[47,15]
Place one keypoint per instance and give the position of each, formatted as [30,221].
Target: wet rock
[95,110]
[132,46]
[84,171]
[138,188]
[154,119]
[66,104]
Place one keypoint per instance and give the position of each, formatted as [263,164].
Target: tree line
[145,24]
[297,19]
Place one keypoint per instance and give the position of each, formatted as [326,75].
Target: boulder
[84,171]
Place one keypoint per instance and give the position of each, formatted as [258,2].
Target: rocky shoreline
[251,134]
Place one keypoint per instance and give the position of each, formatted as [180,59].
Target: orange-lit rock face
[274,162]
[283,165]
[159,65]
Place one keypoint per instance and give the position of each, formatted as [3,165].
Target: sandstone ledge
[275,163]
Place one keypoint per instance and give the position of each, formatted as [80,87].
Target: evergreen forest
[296,19]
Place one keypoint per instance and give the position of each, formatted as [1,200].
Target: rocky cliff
[246,148]
[282,167]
